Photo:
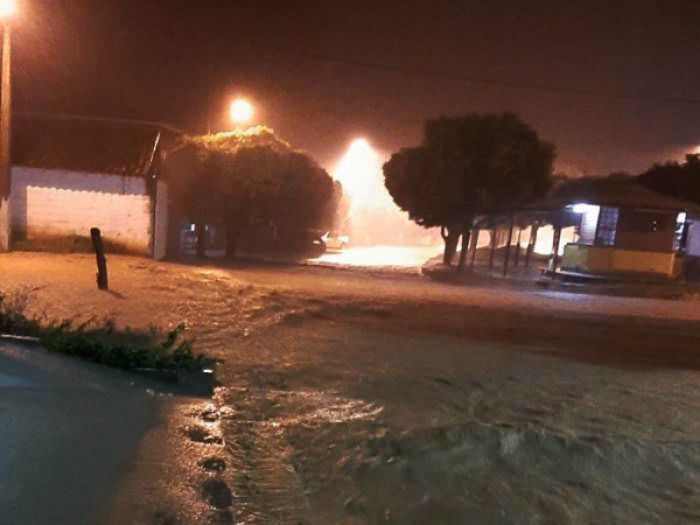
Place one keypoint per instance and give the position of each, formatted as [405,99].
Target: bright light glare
[369,215]
[7,8]
[360,173]
[380,256]
[241,111]
[583,208]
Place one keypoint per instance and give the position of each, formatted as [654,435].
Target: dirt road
[356,398]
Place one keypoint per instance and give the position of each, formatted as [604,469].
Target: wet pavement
[351,397]
[68,435]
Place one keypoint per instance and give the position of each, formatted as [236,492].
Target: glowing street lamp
[7,10]
[242,111]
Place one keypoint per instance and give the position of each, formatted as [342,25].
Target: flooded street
[355,397]
[379,256]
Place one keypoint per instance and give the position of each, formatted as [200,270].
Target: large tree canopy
[466,167]
[676,180]
[238,179]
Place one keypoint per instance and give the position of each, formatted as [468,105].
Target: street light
[241,111]
[7,10]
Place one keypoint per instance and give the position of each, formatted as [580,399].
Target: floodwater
[356,397]
[379,256]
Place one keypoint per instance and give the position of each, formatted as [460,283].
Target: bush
[101,342]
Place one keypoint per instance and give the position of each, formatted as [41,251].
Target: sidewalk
[531,277]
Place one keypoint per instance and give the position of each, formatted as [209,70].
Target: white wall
[589,223]
[52,202]
[160,239]
[4,225]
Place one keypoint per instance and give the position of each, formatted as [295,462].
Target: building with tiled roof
[70,174]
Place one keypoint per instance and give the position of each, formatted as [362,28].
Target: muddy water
[343,425]
[343,400]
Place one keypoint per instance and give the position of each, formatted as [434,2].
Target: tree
[467,167]
[676,180]
[234,180]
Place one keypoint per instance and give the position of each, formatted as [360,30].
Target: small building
[620,227]
[70,174]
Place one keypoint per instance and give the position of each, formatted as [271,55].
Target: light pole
[7,10]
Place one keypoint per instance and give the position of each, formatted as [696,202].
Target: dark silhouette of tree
[466,167]
[237,180]
[674,179]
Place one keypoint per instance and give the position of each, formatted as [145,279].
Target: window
[607,226]
[681,237]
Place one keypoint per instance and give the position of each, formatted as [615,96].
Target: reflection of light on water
[380,256]
[325,407]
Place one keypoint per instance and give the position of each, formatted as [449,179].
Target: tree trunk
[466,234]
[451,238]
[475,244]
[231,242]
[493,247]
[201,232]
[508,243]
[516,259]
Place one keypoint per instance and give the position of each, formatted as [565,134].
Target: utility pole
[5,163]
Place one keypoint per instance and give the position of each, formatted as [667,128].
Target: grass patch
[101,342]
[69,243]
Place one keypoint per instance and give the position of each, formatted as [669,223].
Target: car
[335,242]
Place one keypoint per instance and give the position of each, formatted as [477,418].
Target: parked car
[335,242]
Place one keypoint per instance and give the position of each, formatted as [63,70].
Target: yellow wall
[603,259]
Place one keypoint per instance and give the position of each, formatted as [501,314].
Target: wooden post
[493,246]
[531,244]
[101,261]
[510,239]
[516,260]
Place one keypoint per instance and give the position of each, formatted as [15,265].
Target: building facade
[71,174]
[621,227]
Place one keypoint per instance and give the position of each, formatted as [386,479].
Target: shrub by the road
[101,342]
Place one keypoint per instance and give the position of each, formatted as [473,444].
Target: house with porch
[620,228]
[72,173]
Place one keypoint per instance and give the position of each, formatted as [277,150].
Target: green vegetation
[64,244]
[469,167]
[101,342]
[239,180]
[679,180]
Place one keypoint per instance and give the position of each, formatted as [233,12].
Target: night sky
[163,60]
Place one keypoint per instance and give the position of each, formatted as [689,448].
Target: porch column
[531,244]
[555,248]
